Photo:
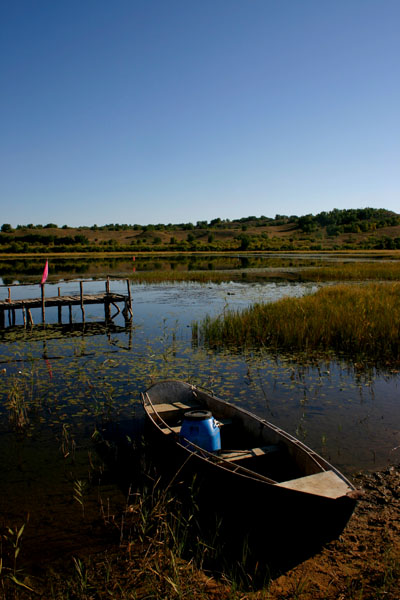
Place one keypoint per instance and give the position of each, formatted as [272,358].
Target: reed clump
[357,320]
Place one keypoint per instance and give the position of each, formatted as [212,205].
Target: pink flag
[45,272]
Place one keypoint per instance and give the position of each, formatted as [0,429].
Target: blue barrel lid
[198,415]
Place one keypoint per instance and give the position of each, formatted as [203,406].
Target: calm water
[61,388]
[26,270]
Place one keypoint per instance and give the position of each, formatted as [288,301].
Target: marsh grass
[20,400]
[11,577]
[354,271]
[362,321]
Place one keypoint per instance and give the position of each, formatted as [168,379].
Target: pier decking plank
[63,301]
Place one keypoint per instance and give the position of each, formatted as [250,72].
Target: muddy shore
[363,564]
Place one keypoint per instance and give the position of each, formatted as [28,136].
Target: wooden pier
[106,298]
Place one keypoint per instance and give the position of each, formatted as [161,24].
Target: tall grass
[361,320]
[354,271]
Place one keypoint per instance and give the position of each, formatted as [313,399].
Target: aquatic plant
[358,320]
[13,539]
[18,405]
[78,493]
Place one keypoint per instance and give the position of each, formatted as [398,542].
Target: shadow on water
[60,330]
[226,530]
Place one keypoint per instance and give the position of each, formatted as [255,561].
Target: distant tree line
[304,232]
[349,220]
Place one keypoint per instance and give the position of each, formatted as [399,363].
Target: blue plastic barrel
[200,427]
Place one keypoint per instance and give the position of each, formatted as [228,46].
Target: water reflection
[25,270]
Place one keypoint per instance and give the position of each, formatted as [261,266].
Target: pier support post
[2,319]
[107,310]
[129,298]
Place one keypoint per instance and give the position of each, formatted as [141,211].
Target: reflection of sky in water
[189,302]
[154,303]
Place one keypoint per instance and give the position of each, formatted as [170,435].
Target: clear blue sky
[158,111]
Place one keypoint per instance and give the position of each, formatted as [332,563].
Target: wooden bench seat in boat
[237,455]
[168,430]
[166,410]
[326,483]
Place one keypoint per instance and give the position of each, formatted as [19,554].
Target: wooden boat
[257,461]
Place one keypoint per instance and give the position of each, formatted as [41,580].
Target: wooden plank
[170,430]
[326,483]
[236,455]
[171,407]
[62,301]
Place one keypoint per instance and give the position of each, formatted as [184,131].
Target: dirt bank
[365,562]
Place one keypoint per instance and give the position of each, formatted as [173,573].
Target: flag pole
[43,303]
[44,277]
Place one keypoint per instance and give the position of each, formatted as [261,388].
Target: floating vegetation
[361,321]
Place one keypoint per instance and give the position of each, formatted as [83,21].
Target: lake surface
[63,387]
[26,270]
